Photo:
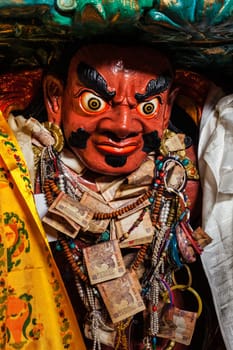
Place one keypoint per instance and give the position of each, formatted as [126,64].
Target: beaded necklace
[167,203]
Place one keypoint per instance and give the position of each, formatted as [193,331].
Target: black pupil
[148,108]
[94,103]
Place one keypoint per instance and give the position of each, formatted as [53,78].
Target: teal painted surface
[198,33]
[178,15]
[181,10]
[202,20]
[171,13]
[65,12]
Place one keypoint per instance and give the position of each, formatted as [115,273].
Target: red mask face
[115,105]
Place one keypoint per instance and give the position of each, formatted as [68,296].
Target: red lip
[118,148]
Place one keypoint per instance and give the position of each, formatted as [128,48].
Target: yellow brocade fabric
[35,311]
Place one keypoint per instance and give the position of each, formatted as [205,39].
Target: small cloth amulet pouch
[185,246]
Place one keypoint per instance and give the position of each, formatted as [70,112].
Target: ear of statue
[53,92]
[171,98]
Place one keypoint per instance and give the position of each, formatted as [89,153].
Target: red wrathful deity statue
[120,185]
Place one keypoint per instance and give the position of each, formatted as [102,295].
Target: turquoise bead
[105,236]
[72,245]
[58,247]
[154,342]
[159,164]
[185,161]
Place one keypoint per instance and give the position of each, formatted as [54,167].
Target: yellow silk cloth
[35,311]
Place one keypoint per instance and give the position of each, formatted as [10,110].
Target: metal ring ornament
[175,176]
[188,285]
[183,288]
[57,134]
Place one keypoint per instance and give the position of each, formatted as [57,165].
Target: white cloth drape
[216,171]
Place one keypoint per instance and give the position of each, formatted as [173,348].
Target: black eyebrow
[93,80]
[155,86]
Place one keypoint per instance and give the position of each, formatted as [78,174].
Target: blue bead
[160,165]
[58,247]
[154,342]
[105,236]
[72,245]
[185,161]
[144,290]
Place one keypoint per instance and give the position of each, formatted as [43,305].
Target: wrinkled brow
[90,78]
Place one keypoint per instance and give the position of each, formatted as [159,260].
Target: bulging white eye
[92,103]
[149,109]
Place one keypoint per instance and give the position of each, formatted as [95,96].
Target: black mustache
[151,142]
[79,138]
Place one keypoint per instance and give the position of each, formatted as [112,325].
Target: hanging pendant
[174,175]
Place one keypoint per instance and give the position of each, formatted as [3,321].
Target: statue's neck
[88,180]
